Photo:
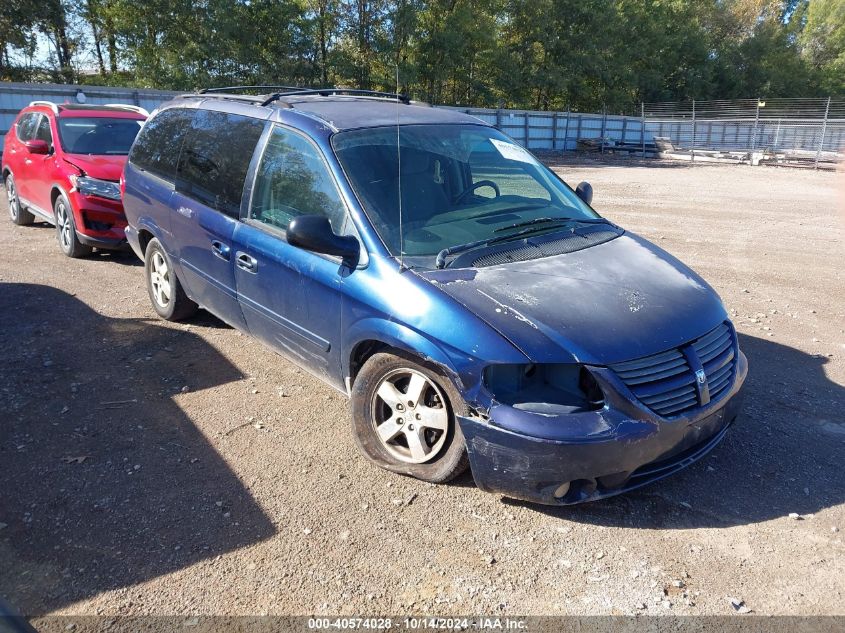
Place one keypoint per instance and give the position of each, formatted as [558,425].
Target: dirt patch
[153,468]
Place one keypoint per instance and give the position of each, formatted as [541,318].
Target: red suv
[62,164]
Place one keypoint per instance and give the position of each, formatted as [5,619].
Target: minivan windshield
[98,135]
[458,184]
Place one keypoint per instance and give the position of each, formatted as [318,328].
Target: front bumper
[601,453]
[100,222]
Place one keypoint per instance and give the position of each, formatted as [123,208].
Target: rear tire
[66,230]
[17,213]
[166,294]
[403,418]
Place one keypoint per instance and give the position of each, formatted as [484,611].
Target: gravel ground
[155,468]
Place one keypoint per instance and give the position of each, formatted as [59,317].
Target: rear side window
[215,158]
[26,126]
[156,149]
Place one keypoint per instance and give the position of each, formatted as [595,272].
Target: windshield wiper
[440,262]
[551,220]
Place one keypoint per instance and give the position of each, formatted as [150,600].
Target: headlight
[545,388]
[96,187]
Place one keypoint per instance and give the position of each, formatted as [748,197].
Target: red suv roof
[117,111]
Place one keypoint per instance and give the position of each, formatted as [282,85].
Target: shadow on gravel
[123,256]
[782,455]
[104,481]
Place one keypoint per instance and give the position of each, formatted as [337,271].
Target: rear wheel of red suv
[66,230]
[166,294]
[18,214]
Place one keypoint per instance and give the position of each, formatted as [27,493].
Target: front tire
[17,213]
[66,230]
[166,294]
[403,418]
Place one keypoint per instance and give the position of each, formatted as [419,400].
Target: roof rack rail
[49,104]
[325,92]
[256,99]
[225,89]
[126,106]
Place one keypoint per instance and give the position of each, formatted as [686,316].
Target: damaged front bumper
[572,458]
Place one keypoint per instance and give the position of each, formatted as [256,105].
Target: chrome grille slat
[677,407]
[673,395]
[719,373]
[725,358]
[711,335]
[715,348]
[665,382]
[679,367]
[648,361]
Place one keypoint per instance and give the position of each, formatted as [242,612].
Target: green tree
[823,42]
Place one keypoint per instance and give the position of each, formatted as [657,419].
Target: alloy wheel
[65,225]
[160,279]
[13,198]
[410,416]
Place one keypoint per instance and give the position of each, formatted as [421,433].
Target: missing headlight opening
[545,388]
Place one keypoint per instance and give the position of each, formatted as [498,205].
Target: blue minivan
[476,310]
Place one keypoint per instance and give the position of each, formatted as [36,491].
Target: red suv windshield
[97,135]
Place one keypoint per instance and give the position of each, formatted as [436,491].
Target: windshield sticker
[512,152]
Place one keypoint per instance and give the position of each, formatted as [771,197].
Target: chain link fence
[809,132]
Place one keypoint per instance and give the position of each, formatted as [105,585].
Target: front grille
[666,382]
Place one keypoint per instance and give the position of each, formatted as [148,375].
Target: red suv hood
[103,167]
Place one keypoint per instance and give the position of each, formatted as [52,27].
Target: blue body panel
[620,300]
[202,246]
[291,300]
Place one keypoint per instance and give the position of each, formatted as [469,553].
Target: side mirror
[314,233]
[37,146]
[584,190]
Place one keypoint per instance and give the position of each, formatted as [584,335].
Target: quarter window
[215,159]
[156,149]
[293,180]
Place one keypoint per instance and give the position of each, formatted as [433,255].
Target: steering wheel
[477,185]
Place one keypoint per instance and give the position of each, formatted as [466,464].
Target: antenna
[399,178]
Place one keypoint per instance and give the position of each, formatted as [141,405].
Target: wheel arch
[371,336]
[145,236]
[55,192]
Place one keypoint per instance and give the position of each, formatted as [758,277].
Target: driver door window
[43,131]
[293,180]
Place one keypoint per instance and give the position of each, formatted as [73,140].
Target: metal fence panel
[14,96]
[796,126]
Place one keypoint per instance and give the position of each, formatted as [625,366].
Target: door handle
[220,249]
[245,262]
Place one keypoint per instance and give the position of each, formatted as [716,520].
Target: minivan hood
[102,167]
[616,301]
